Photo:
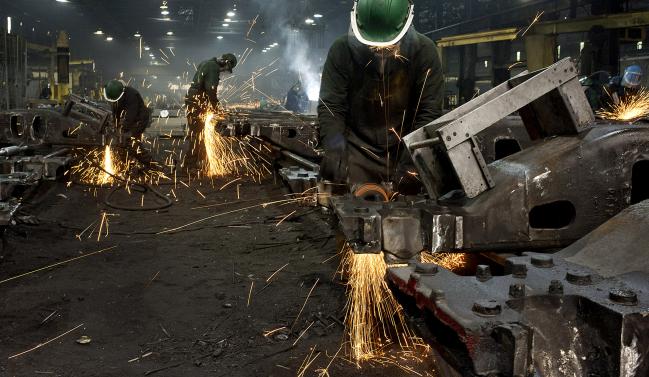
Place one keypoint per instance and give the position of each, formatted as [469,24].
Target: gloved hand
[334,164]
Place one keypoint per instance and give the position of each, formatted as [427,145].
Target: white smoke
[302,62]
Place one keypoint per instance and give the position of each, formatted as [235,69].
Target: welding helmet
[230,61]
[114,90]
[632,77]
[381,23]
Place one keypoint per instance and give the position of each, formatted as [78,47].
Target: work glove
[334,163]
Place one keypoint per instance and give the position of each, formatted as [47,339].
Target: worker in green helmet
[130,113]
[380,82]
[201,98]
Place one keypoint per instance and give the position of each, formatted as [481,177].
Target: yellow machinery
[540,38]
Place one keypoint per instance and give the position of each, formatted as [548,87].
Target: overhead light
[165,12]
[230,14]
[228,20]
[309,21]
[8,25]
[219,37]
[62,1]
[147,48]
[275,44]
[109,39]
[164,5]
[264,51]
[170,33]
[137,34]
[317,15]
[99,32]
[226,25]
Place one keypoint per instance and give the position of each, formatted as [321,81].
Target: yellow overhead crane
[540,38]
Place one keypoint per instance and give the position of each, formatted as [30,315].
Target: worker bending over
[380,82]
[202,98]
[130,113]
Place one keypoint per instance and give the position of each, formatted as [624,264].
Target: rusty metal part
[581,312]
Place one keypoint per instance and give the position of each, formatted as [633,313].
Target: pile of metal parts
[582,311]
[34,146]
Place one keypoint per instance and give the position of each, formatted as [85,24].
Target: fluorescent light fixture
[99,32]
[137,34]
[164,13]
[109,39]
[226,25]
[317,15]
[230,14]
[275,44]
[62,1]
[228,20]
[170,33]
[8,25]
[164,5]
[309,21]
[147,48]
[219,37]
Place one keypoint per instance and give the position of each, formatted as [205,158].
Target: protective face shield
[114,90]
[632,77]
[381,23]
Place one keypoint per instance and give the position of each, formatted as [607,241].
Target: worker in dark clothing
[629,83]
[296,99]
[202,98]
[595,89]
[380,82]
[131,115]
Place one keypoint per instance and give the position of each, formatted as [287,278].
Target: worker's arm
[333,105]
[211,83]
[429,84]
[332,111]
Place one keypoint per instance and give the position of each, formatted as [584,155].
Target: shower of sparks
[109,166]
[450,261]
[228,156]
[374,319]
[630,108]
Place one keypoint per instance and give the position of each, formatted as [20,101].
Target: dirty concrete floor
[195,302]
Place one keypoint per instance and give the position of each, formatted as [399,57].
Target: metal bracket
[550,101]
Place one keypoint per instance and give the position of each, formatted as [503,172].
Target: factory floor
[192,302]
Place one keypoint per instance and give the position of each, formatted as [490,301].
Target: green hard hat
[230,59]
[381,23]
[114,90]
